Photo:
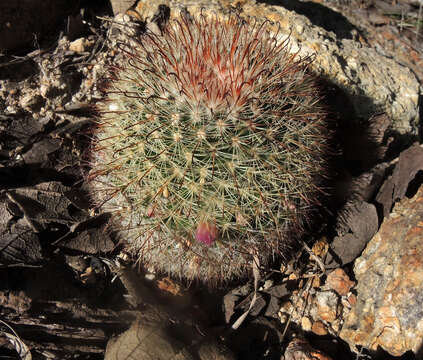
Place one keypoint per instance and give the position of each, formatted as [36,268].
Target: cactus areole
[208,144]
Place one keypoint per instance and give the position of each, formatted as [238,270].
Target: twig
[21,59]
[316,258]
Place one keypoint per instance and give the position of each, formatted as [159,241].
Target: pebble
[306,323]
[339,281]
[80,45]
[31,101]
[319,328]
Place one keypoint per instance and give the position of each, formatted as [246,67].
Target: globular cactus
[208,147]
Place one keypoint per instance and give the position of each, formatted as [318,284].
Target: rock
[327,306]
[319,328]
[318,310]
[352,300]
[120,6]
[339,281]
[31,101]
[300,349]
[388,312]
[80,45]
[306,323]
[371,81]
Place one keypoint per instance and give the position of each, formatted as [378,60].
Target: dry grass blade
[16,341]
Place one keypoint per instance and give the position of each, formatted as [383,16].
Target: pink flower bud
[206,233]
[150,211]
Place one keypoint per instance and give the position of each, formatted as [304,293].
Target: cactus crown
[208,144]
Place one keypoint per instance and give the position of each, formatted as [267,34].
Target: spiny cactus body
[209,142]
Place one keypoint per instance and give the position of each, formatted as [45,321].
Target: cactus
[208,146]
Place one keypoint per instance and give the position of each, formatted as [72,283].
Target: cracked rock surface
[389,308]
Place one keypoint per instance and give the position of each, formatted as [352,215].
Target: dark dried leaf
[5,216]
[410,162]
[258,306]
[71,128]
[277,293]
[357,224]
[229,301]
[368,184]
[240,299]
[40,151]
[78,198]
[19,132]
[88,236]
[273,307]
[19,245]
[231,298]
[43,204]
[151,340]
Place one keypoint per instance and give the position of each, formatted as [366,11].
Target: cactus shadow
[355,151]
[32,174]
[319,15]
[362,141]
[261,338]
